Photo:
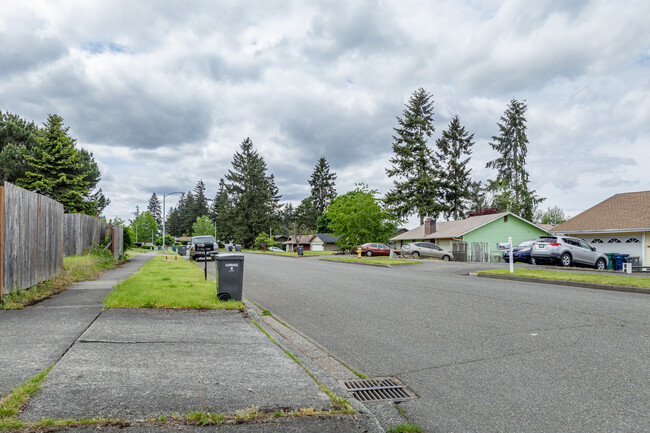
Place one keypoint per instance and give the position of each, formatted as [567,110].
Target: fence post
[2,240]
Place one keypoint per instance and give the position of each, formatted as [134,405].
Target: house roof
[301,240]
[327,238]
[454,229]
[630,210]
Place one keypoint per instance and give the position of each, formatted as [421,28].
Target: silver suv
[566,250]
[426,249]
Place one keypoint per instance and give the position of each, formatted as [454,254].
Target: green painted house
[486,230]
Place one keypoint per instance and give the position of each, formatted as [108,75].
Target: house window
[614,241]
[597,241]
[632,241]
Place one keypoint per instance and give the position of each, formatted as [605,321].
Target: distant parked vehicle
[426,249]
[204,247]
[567,250]
[276,249]
[371,249]
[521,253]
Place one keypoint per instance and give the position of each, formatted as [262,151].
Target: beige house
[324,242]
[620,224]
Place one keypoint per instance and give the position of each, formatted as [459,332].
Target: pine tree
[323,189]
[54,167]
[154,209]
[254,194]
[17,138]
[454,149]
[510,187]
[222,213]
[417,187]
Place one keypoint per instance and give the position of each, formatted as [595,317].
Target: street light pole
[165,216]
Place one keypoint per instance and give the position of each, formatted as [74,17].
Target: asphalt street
[481,354]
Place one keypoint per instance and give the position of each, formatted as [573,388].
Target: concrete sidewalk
[136,364]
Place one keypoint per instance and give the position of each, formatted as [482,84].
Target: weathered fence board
[82,232]
[33,233]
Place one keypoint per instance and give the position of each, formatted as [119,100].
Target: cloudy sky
[164,92]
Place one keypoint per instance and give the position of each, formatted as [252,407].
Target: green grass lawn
[377,260]
[604,278]
[171,283]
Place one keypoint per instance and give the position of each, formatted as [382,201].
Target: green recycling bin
[610,261]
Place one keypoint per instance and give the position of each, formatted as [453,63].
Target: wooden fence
[35,234]
[82,232]
[32,238]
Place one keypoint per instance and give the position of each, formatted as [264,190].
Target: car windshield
[203,240]
[547,239]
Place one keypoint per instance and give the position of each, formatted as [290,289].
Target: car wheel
[445,258]
[533,261]
[369,253]
[565,259]
[600,264]
[415,254]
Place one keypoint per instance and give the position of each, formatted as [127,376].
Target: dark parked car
[566,250]
[204,247]
[377,250]
[521,253]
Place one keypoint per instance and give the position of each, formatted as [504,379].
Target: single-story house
[485,230]
[303,241]
[324,242]
[620,224]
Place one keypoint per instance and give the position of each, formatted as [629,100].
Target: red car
[377,250]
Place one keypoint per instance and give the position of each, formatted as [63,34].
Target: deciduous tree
[358,217]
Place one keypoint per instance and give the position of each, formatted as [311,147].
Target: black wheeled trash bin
[301,250]
[181,250]
[230,276]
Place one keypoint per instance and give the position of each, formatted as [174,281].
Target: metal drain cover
[378,389]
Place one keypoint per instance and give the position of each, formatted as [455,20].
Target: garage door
[316,247]
[617,244]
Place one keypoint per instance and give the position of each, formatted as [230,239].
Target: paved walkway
[136,364]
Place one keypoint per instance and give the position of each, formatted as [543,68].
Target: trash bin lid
[229,256]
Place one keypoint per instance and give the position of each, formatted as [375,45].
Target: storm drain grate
[378,389]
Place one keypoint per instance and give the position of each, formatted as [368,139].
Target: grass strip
[405,428]
[75,268]
[597,278]
[375,260]
[11,404]
[168,282]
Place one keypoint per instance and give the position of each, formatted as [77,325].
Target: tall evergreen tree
[17,138]
[254,194]
[306,214]
[417,187]
[222,213]
[510,187]
[54,167]
[154,209]
[454,150]
[323,189]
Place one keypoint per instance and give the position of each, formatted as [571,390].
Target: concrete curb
[366,418]
[610,287]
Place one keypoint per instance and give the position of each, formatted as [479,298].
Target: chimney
[429,226]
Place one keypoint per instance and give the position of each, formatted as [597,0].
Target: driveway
[482,355]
